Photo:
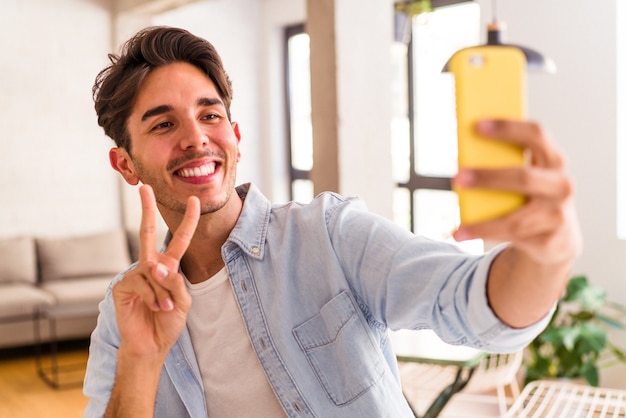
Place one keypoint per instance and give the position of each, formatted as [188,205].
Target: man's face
[182,142]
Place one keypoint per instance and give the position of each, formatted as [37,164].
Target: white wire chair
[490,391]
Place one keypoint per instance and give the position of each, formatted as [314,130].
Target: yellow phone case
[490,84]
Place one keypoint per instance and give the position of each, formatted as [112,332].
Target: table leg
[50,374]
[50,371]
[463,376]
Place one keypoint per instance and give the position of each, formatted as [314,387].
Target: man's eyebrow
[158,110]
[155,111]
[209,101]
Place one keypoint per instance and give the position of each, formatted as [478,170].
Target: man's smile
[200,171]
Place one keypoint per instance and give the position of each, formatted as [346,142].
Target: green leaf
[556,335]
[592,338]
[569,337]
[592,297]
[574,287]
[413,7]
[583,316]
[614,323]
[590,373]
[575,342]
[617,352]
[616,306]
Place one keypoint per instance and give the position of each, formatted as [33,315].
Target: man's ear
[235,126]
[122,163]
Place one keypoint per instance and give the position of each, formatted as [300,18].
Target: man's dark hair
[116,86]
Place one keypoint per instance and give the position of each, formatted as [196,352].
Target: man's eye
[162,125]
[211,116]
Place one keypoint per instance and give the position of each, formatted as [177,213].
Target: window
[300,136]
[424,121]
[423,124]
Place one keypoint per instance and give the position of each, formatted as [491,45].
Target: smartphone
[490,83]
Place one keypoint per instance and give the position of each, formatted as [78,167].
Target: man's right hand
[152,301]
[151,305]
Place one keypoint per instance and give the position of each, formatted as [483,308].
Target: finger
[537,218]
[151,283]
[160,286]
[550,240]
[527,134]
[174,293]
[137,284]
[531,182]
[184,233]
[147,228]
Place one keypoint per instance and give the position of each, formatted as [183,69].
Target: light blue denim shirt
[318,287]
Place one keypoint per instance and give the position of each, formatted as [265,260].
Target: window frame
[418,181]
[294,173]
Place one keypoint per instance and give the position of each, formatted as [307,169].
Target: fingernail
[156,307]
[485,126]
[162,271]
[464,178]
[461,235]
[168,305]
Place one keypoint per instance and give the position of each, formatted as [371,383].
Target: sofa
[67,275]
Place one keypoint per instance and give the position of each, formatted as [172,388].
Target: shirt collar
[251,229]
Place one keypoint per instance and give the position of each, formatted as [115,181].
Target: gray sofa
[56,275]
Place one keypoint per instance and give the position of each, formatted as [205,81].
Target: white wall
[233,27]
[54,172]
[276,16]
[579,107]
[248,35]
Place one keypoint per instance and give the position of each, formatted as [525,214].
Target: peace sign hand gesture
[151,305]
[151,301]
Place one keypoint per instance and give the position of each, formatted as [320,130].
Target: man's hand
[151,301]
[546,226]
[530,275]
[151,305]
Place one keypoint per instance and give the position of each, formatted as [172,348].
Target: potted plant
[403,16]
[575,343]
[413,7]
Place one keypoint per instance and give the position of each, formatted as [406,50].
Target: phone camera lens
[476,60]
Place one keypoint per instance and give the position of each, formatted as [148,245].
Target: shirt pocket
[340,350]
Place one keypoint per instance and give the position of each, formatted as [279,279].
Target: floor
[422,384]
[23,394]
[462,406]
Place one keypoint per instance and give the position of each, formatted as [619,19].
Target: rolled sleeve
[495,335]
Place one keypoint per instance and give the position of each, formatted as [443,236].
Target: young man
[254,310]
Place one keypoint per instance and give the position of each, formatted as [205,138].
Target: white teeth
[201,171]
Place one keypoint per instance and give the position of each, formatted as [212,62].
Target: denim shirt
[318,286]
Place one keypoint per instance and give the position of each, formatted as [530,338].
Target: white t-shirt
[234,382]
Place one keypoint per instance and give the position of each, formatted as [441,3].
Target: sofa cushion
[83,256]
[78,291]
[18,299]
[18,261]
[133,242]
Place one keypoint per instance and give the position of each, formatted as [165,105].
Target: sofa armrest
[18,261]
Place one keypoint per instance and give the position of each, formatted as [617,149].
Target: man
[292,303]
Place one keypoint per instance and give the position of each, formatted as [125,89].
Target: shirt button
[255,250]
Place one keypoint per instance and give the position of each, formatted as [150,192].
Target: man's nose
[193,136]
